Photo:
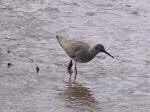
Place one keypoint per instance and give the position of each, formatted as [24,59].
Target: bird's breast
[82,57]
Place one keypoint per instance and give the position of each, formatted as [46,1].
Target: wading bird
[79,51]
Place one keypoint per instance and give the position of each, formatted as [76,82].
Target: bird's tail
[57,37]
[61,40]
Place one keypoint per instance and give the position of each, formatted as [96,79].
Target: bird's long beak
[108,54]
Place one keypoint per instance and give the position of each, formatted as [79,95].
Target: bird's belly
[83,56]
[81,60]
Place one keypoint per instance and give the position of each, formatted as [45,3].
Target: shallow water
[27,33]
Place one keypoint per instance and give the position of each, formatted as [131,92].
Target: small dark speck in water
[147,61]
[9,64]
[135,12]
[8,51]
[37,69]
[128,5]
[90,13]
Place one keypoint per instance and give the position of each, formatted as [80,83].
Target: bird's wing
[71,46]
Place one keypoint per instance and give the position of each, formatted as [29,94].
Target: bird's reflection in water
[79,98]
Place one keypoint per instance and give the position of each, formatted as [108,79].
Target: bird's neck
[92,53]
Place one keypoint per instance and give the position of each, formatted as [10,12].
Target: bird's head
[100,48]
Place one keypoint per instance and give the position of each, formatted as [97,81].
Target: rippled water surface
[27,40]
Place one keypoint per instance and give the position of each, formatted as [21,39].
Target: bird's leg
[75,71]
[69,68]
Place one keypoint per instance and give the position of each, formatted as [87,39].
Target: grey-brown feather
[71,47]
